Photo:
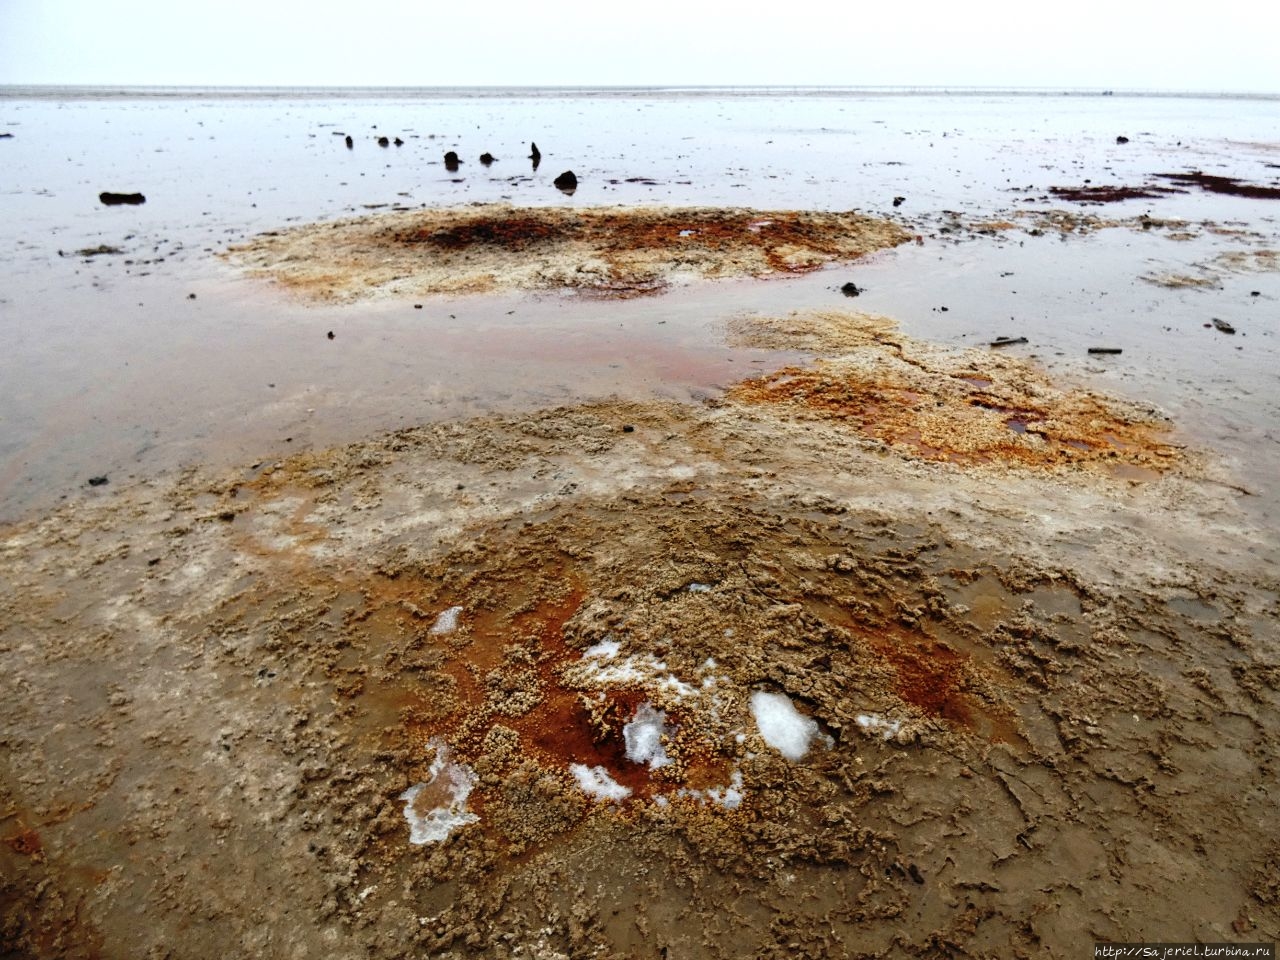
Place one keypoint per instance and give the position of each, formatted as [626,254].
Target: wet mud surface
[242,698]
[612,252]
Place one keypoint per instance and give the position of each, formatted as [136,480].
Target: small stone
[567,182]
[97,481]
[850,289]
[330,334]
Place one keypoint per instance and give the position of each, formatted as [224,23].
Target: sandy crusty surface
[607,251]
[1046,694]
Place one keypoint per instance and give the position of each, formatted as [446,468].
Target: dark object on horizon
[1106,350]
[850,289]
[114,199]
[384,142]
[6,136]
[899,201]
[97,481]
[566,182]
[1007,341]
[486,158]
[1223,326]
[451,161]
[535,156]
[330,334]
[350,143]
[398,142]
[1122,139]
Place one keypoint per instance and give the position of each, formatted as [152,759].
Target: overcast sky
[1220,45]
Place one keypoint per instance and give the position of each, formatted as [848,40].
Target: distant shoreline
[129,92]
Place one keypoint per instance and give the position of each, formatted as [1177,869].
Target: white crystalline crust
[871,724]
[447,622]
[643,737]
[781,725]
[596,782]
[436,824]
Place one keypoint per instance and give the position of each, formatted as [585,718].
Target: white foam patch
[604,650]
[447,622]
[643,737]
[596,782]
[873,724]
[782,726]
[448,782]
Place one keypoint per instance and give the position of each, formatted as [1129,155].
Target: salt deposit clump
[447,622]
[438,806]
[871,724]
[782,726]
[643,737]
[596,782]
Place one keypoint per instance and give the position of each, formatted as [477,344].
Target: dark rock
[1255,293]
[97,481]
[384,142]
[1122,139]
[486,158]
[566,182]
[6,136]
[330,334]
[628,428]
[115,199]
[1106,350]
[97,251]
[535,156]
[850,289]
[451,161]
[191,296]
[398,142]
[1007,341]
[350,143]
[899,201]
[1222,326]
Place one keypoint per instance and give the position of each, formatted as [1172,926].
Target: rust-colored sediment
[962,407]
[612,251]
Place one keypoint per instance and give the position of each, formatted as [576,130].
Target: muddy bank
[609,251]
[494,687]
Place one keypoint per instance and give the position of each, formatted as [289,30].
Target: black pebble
[191,296]
[330,334]
[628,428]
[850,289]
[97,481]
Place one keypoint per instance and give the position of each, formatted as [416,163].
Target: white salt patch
[871,723]
[709,663]
[643,737]
[729,797]
[604,650]
[596,782]
[447,622]
[782,726]
[451,780]
[699,588]
[644,670]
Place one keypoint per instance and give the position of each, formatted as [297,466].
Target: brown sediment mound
[1232,186]
[617,251]
[964,407]
[1015,700]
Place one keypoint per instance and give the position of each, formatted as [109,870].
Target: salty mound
[612,251]
[719,683]
[966,407]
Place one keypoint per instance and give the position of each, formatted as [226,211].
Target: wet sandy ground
[1025,595]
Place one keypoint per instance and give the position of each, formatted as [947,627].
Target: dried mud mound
[610,251]
[729,682]
[966,407]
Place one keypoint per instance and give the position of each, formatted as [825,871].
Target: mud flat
[611,251]
[909,651]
